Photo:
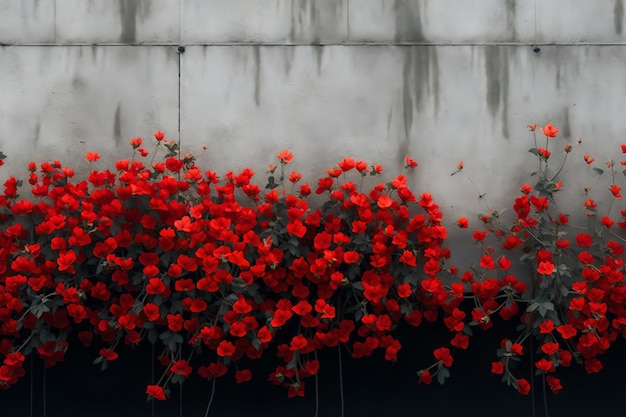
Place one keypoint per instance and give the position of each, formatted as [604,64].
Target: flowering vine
[214,269]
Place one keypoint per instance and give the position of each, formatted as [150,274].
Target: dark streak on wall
[618,15]
[117,128]
[511,6]
[420,71]
[497,74]
[128,16]
[256,52]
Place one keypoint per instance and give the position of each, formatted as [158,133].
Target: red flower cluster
[221,269]
[168,252]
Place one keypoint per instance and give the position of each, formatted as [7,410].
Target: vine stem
[545,397]
[340,380]
[317,389]
[208,407]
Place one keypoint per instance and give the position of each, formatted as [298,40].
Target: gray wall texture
[440,80]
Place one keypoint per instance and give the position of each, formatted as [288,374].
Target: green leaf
[2,155]
[534,152]
[443,374]
[598,170]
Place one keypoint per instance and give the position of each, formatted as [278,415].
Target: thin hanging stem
[208,407]
[180,402]
[317,390]
[152,378]
[44,392]
[340,379]
[32,382]
[545,397]
[532,379]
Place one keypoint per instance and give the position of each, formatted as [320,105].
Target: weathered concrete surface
[443,21]
[117,21]
[64,101]
[26,21]
[264,21]
[440,80]
[437,104]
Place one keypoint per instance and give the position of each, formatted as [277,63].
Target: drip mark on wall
[128,16]
[256,51]
[117,128]
[511,11]
[618,15]
[497,74]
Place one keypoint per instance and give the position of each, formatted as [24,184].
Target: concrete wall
[440,80]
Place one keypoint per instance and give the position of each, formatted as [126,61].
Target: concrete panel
[26,21]
[442,21]
[61,102]
[560,21]
[379,103]
[120,21]
[264,21]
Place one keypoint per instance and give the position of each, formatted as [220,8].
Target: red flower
[443,354]
[460,341]
[156,392]
[584,239]
[158,135]
[554,384]
[546,326]
[92,156]
[135,142]
[243,375]
[463,223]
[424,377]
[347,164]
[592,365]
[108,354]
[410,163]
[550,131]
[285,157]
[497,368]
[181,367]
[550,348]
[545,268]
[523,386]
[404,290]
[298,342]
[226,349]
[615,189]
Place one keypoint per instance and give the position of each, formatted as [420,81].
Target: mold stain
[420,79]
[37,133]
[408,21]
[618,16]
[420,70]
[289,57]
[566,131]
[497,74]
[128,17]
[117,126]
[256,53]
[511,10]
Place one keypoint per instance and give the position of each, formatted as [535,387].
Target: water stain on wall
[256,53]
[408,21]
[420,70]
[128,17]
[618,16]
[117,126]
[566,130]
[511,10]
[497,74]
